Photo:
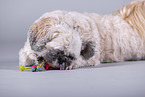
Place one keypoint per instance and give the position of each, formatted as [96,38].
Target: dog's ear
[88,50]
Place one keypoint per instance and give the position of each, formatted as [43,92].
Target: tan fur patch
[40,28]
[134,14]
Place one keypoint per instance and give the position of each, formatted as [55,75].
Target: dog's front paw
[66,65]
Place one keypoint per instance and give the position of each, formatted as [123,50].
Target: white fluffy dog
[71,39]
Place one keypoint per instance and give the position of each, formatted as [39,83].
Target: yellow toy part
[40,64]
[22,68]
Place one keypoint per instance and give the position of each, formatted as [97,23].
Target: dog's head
[54,42]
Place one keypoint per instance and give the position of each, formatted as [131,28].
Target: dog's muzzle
[58,57]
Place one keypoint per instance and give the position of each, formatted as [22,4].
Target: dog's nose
[40,59]
[61,57]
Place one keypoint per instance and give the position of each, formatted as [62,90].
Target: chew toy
[34,68]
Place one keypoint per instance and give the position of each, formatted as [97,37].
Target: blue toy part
[34,68]
[40,67]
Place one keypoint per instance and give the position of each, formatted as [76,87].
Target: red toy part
[46,65]
[34,66]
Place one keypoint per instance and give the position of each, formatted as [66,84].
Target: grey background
[16,16]
[124,79]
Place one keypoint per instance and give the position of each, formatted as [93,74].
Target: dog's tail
[134,14]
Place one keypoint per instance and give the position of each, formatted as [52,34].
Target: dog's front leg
[27,56]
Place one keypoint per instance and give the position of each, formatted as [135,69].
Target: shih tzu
[70,39]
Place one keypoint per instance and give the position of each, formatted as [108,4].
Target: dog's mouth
[58,59]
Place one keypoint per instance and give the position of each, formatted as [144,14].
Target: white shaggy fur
[113,37]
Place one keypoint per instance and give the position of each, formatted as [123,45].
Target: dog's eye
[52,36]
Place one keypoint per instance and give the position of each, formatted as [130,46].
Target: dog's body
[71,39]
